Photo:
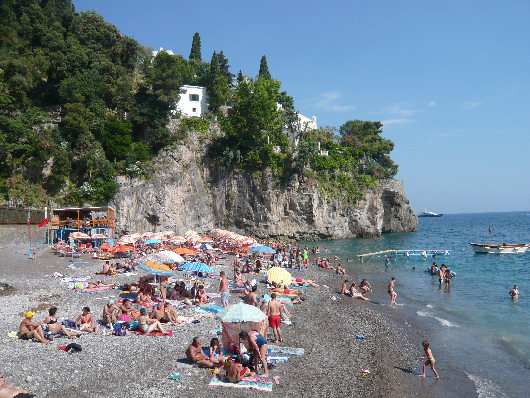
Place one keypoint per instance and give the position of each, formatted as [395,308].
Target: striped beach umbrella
[197,266]
[279,275]
[240,313]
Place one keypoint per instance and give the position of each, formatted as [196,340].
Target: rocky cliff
[185,194]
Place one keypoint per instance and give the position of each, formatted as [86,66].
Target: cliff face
[186,195]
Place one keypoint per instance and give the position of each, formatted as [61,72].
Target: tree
[264,69]
[195,53]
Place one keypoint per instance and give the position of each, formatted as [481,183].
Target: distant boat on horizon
[427,213]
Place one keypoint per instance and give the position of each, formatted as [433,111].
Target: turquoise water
[475,326]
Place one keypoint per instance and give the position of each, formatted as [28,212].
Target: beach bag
[69,323]
[119,329]
[73,347]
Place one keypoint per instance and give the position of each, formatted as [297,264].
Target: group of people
[444,274]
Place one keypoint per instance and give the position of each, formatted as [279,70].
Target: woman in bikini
[147,325]
[56,328]
[258,345]
[215,353]
[87,322]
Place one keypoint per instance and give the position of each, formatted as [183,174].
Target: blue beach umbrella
[197,266]
[263,249]
[151,241]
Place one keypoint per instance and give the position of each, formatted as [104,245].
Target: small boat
[505,248]
[427,213]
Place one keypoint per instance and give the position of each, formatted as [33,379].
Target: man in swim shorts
[274,313]
[224,289]
[196,354]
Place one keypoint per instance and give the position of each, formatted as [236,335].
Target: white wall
[192,102]
[154,52]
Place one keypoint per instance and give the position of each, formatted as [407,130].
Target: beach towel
[249,383]
[285,294]
[95,289]
[277,359]
[13,335]
[208,309]
[286,300]
[298,287]
[285,350]
[213,295]
[156,333]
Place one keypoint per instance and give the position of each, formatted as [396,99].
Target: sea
[474,326]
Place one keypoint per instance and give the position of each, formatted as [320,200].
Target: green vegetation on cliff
[81,103]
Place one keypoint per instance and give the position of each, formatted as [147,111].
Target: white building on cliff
[192,101]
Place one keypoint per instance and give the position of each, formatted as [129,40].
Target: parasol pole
[29,230]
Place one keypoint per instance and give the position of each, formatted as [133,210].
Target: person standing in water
[387,262]
[391,291]
[514,293]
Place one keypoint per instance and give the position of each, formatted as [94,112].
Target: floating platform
[408,253]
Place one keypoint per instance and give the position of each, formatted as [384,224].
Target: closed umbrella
[263,249]
[279,275]
[197,266]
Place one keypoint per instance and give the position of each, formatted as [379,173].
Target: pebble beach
[325,325]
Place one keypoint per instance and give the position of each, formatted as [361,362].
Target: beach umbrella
[174,257]
[99,236]
[263,249]
[279,275]
[152,241]
[122,249]
[156,268]
[184,251]
[241,312]
[197,266]
[204,246]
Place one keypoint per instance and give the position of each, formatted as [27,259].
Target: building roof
[102,208]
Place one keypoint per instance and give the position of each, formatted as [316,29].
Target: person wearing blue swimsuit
[258,344]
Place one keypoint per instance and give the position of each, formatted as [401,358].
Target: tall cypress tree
[195,53]
[264,69]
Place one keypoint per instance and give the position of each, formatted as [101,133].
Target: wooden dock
[412,252]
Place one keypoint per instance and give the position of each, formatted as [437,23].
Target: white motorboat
[427,213]
[491,248]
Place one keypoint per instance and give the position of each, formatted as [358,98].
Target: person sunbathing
[31,330]
[87,322]
[108,269]
[195,354]
[239,279]
[355,294]
[143,297]
[56,328]
[170,315]
[8,390]
[127,309]
[110,313]
[157,312]
[201,296]
[147,325]
[340,270]
[250,298]
[304,282]
[365,286]
[236,371]
[215,352]
[100,284]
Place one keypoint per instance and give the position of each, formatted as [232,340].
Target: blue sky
[450,80]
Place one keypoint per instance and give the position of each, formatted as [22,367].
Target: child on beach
[429,360]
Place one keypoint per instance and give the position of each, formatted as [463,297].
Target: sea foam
[486,388]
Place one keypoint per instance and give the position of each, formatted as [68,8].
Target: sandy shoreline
[138,366]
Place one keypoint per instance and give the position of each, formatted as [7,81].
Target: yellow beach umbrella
[279,275]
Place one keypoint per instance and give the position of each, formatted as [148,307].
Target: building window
[194,97]
[194,110]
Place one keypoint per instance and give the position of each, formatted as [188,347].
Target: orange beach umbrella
[184,250]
